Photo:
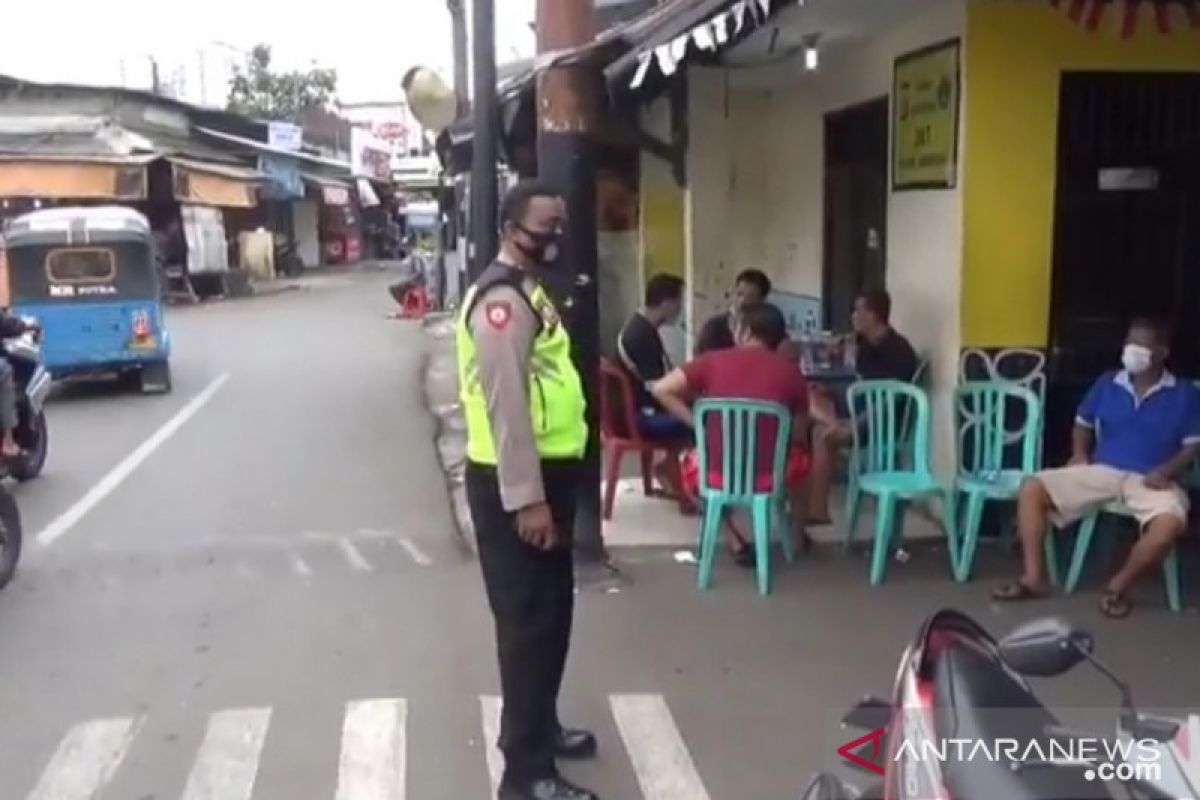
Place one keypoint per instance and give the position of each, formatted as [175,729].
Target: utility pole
[458,32]
[485,151]
[567,102]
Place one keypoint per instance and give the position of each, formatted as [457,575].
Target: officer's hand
[535,526]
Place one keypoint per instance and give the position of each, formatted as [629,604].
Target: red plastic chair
[619,435]
[416,303]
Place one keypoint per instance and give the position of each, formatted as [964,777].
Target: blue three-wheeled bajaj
[90,278]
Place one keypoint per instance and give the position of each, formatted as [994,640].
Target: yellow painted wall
[662,229]
[1015,54]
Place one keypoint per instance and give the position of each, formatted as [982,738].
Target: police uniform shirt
[503,327]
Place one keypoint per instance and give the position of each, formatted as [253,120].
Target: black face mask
[546,249]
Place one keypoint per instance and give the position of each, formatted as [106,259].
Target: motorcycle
[33,387]
[957,684]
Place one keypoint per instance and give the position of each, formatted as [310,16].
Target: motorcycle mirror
[868,714]
[827,786]
[1045,647]
[1156,729]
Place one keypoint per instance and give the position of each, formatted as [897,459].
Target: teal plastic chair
[909,417]
[1172,578]
[738,421]
[994,456]
[880,466]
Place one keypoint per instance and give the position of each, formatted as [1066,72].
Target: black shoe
[575,744]
[545,789]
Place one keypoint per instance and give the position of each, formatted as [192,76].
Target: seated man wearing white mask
[1137,431]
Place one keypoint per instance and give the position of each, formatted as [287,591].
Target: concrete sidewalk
[640,521]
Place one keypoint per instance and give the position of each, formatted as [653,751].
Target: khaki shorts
[1078,491]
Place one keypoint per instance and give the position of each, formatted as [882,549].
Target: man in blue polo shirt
[1145,425]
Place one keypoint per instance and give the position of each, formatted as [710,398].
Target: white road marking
[85,760]
[372,762]
[414,552]
[245,571]
[117,475]
[228,761]
[354,556]
[300,566]
[489,709]
[661,761]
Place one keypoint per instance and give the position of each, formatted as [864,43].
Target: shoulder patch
[498,313]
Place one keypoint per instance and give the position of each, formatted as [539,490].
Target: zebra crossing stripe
[85,760]
[372,764]
[661,761]
[489,707]
[227,764]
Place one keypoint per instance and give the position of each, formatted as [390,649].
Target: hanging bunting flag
[1090,13]
[725,27]
[666,62]
[643,69]
[1129,21]
[1162,18]
[679,48]
[702,35]
[720,26]
[739,16]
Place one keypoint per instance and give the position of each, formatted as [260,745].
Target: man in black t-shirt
[750,289]
[882,354]
[643,357]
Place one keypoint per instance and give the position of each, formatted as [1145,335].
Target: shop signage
[370,156]
[925,108]
[335,195]
[285,136]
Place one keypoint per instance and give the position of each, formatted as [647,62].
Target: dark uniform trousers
[532,596]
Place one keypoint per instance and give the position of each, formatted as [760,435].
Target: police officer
[526,434]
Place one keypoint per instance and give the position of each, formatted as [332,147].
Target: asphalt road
[249,588]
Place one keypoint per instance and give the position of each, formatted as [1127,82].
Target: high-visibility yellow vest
[556,400]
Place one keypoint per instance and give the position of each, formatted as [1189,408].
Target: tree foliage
[259,91]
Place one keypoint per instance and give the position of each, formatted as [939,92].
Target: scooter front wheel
[10,536]
[30,463]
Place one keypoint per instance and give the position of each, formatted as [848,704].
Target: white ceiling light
[812,55]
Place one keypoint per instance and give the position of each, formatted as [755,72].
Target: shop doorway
[1127,228]
[856,191]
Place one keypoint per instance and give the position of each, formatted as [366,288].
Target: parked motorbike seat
[978,699]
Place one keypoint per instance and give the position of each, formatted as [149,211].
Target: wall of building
[924,242]
[1016,54]
[725,205]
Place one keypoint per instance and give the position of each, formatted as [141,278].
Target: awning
[366,194]
[333,192]
[262,147]
[220,185]
[74,178]
[663,39]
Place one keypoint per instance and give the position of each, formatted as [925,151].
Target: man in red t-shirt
[752,370]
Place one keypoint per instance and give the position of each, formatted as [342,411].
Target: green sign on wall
[925,107]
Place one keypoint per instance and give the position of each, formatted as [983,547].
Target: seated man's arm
[672,394]
[1083,435]
[1189,449]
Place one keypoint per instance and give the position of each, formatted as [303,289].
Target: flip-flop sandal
[745,557]
[1114,605]
[1017,592]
